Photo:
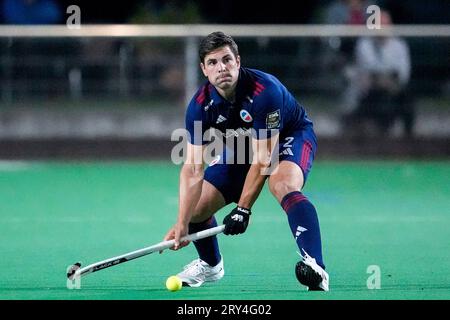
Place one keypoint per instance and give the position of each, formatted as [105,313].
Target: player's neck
[229,95]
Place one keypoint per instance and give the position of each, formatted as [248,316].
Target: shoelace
[306,257]
[311,261]
[194,268]
[191,264]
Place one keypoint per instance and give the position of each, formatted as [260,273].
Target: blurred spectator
[165,56]
[346,12]
[379,80]
[349,12]
[31,12]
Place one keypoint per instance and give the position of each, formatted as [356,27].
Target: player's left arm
[257,173]
[266,127]
[237,221]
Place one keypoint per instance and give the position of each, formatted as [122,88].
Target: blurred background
[76,97]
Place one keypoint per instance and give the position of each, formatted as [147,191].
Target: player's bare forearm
[191,180]
[253,185]
[256,176]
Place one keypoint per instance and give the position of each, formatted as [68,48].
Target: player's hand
[177,232]
[236,221]
[181,230]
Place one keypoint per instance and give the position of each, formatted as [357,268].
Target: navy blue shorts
[298,147]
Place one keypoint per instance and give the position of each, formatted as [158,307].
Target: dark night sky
[270,11]
[253,12]
[218,11]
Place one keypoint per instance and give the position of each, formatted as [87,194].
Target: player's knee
[280,188]
[203,211]
[201,214]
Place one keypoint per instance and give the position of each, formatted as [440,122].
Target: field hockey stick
[76,271]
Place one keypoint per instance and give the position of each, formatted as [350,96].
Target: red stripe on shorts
[306,153]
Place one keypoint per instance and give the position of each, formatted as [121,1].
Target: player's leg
[296,156]
[222,184]
[285,185]
[211,201]
[209,265]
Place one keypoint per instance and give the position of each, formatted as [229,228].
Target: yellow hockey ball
[173,283]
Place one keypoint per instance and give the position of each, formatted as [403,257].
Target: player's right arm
[191,180]
[190,189]
[191,174]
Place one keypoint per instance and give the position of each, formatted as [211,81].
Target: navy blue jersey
[262,103]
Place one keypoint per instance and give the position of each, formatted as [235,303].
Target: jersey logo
[209,105]
[287,152]
[238,132]
[299,231]
[217,159]
[237,217]
[245,116]
[273,119]
[220,119]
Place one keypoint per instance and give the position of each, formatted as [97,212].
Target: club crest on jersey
[245,115]
[273,119]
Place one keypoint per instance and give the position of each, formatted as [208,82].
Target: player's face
[221,67]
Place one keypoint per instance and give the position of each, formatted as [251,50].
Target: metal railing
[161,60]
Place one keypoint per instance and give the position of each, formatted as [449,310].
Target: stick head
[72,270]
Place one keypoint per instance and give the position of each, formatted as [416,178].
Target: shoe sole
[210,279]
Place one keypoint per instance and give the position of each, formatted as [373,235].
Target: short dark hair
[215,41]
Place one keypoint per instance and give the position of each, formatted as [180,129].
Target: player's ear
[202,66]
[238,61]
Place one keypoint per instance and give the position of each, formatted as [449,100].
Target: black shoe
[310,274]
